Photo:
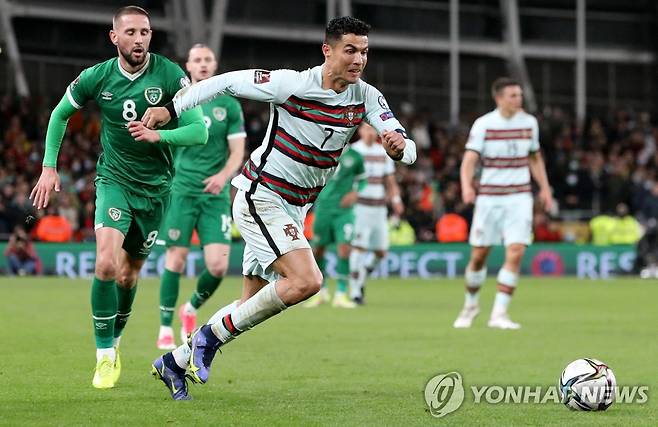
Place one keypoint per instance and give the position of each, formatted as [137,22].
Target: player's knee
[175,261]
[307,285]
[217,269]
[106,268]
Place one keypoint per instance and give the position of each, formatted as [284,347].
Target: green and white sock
[342,272]
[205,287]
[168,296]
[103,311]
[126,296]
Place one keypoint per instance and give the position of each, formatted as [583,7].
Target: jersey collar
[134,76]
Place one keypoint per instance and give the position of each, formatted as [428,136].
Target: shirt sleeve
[56,129]
[78,91]
[534,143]
[257,85]
[380,116]
[235,121]
[476,137]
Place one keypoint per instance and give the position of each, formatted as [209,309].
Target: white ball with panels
[587,385]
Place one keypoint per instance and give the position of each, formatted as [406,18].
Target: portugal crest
[153,95]
[114,213]
[349,115]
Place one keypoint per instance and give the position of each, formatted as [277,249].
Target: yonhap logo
[444,394]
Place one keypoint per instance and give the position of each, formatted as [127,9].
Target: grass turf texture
[330,366]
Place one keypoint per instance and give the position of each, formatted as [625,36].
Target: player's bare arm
[215,183]
[466,173]
[538,172]
[393,194]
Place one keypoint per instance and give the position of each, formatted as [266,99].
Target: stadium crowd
[608,166]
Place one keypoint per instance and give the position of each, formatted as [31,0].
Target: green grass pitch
[328,366]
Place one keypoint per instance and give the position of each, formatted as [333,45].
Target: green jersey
[350,171]
[224,120]
[145,169]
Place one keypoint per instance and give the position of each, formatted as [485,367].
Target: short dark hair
[501,83]
[344,25]
[129,10]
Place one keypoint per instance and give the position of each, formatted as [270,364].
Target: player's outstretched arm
[191,130]
[49,179]
[257,85]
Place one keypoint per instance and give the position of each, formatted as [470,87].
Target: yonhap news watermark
[445,393]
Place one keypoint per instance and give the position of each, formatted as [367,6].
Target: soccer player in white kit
[506,140]
[370,242]
[313,115]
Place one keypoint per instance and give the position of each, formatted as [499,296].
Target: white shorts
[502,219]
[370,227]
[270,228]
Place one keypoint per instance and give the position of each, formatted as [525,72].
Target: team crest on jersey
[349,115]
[219,113]
[153,95]
[291,231]
[173,233]
[114,213]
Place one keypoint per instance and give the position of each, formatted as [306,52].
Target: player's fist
[393,142]
[546,199]
[48,181]
[156,117]
[142,133]
[468,194]
[215,183]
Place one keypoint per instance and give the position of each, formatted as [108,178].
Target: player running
[507,142]
[334,223]
[134,172]
[201,200]
[313,115]
[370,242]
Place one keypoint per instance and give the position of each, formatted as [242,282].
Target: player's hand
[349,199]
[546,199]
[398,207]
[48,181]
[156,117]
[215,183]
[468,194]
[394,143]
[143,134]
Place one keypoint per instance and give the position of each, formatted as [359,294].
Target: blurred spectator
[53,227]
[546,230]
[626,229]
[601,226]
[400,233]
[646,260]
[451,228]
[21,256]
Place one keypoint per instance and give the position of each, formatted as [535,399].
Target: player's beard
[133,62]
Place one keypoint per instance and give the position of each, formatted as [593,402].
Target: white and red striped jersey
[308,129]
[378,165]
[504,145]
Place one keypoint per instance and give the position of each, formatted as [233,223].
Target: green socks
[124,307]
[103,311]
[168,296]
[205,287]
[342,274]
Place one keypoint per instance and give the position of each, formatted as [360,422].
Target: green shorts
[211,216]
[137,217]
[333,227]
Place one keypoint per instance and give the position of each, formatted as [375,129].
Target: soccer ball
[587,385]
